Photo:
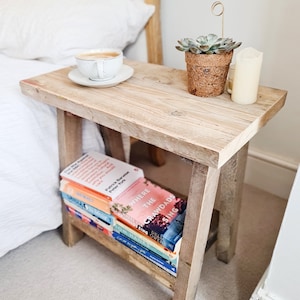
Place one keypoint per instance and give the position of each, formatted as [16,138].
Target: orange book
[86,195]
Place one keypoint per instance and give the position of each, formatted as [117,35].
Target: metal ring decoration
[218,4]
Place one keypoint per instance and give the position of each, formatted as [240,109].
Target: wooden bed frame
[153,35]
[155,56]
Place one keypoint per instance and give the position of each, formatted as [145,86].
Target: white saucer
[125,73]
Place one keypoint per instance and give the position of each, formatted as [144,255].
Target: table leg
[157,155]
[70,149]
[114,147]
[201,198]
[113,143]
[230,195]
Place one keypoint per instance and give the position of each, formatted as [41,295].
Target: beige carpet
[45,268]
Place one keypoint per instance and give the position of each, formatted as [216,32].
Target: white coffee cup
[100,64]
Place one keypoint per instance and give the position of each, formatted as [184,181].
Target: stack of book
[115,197]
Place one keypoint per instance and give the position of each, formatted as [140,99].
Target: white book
[103,174]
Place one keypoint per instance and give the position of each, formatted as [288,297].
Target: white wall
[281,280]
[269,26]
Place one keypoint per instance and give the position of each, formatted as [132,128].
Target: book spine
[173,233]
[170,239]
[146,242]
[87,220]
[108,219]
[87,214]
[80,193]
[160,262]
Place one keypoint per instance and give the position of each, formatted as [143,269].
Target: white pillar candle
[246,76]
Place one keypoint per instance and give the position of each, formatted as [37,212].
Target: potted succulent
[207,60]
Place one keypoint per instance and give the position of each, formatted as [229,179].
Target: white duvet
[29,168]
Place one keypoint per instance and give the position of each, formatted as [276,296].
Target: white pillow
[55,30]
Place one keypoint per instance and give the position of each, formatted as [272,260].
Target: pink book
[151,210]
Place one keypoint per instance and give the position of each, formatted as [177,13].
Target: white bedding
[29,166]
[33,34]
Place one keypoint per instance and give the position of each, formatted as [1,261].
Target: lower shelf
[126,253]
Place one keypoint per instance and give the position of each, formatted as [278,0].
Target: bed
[37,37]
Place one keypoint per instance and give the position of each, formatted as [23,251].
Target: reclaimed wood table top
[154,106]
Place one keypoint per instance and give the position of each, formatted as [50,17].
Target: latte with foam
[98,55]
[100,64]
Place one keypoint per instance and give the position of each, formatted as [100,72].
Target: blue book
[148,243]
[103,216]
[154,258]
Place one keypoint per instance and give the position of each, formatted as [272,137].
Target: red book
[88,219]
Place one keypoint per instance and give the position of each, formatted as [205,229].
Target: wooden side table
[154,106]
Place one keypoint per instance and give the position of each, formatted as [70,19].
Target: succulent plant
[209,44]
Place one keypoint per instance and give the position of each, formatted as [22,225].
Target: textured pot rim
[208,59]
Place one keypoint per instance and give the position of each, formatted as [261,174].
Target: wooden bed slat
[153,35]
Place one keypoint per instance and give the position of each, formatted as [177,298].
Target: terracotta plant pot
[207,73]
